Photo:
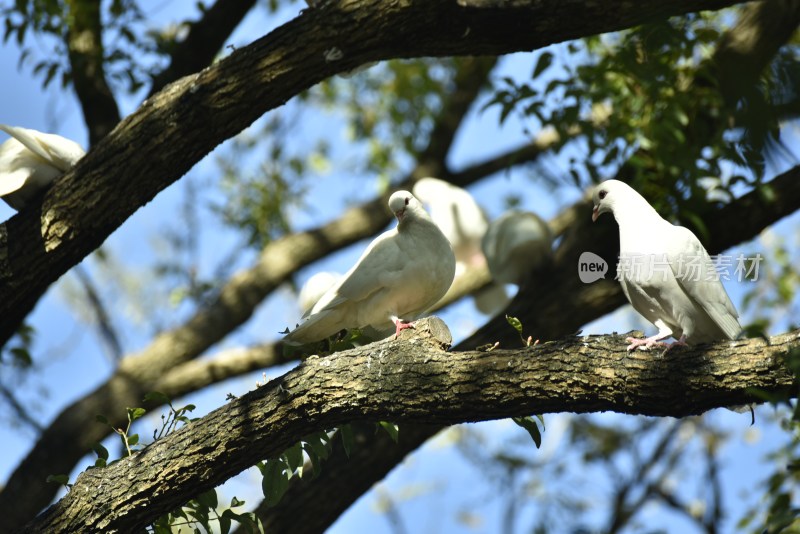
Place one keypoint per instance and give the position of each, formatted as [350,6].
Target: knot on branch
[430,330]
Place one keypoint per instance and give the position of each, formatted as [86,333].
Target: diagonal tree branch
[416,382]
[175,128]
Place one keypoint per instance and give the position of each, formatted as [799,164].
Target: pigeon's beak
[400,214]
[595,213]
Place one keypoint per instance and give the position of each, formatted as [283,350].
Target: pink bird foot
[679,343]
[400,325]
[643,344]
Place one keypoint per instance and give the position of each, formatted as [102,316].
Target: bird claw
[400,325]
[643,344]
[679,343]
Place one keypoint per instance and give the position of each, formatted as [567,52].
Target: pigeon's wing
[695,273]
[15,166]
[60,152]
[338,307]
[13,181]
[379,266]
[645,299]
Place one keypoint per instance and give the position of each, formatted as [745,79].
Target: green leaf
[318,443]
[225,523]
[391,429]
[275,482]
[58,479]
[347,438]
[133,439]
[516,323]
[545,60]
[530,425]
[294,457]
[135,413]
[156,397]
[208,499]
[102,419]
[102,452]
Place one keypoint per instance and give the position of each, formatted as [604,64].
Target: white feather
[30,161]
[402,273]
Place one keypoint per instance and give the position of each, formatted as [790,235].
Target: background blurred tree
[694,110]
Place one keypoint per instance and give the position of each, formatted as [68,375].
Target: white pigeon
[30,161]
[315,287]
[464,223]
[402,273]
[457,214]
[516,244]
[665,272]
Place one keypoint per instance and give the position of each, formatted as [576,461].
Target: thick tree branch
[414,380]
[748,47]
[135,162]
[85,46]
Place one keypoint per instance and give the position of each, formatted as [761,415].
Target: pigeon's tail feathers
[60,152]
[317,327]
[727,321]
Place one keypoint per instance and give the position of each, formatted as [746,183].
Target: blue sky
[434,483]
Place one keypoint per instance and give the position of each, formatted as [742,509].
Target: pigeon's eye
[408,199]
[602,194]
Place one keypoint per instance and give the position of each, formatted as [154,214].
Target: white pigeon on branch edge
[675,286]
[401,274]
[30,161]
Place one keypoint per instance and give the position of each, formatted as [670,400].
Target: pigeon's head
[401,202]
[606,197]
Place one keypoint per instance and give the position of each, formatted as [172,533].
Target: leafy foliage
[201,511]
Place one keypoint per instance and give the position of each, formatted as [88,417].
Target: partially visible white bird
[516,244]
[30,161]
[457,214]
[665,272]
[464,223]
[315,287]
[402,273]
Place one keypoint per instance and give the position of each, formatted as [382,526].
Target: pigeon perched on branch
[402,273]
[665,272]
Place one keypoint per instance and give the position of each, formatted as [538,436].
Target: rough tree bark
[413,379]
[175,128]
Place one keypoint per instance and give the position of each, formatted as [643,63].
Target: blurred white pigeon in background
[463,222]
[665,272]
[457,214]
[402,273]
[30,161]
[315,287]
[516,244]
